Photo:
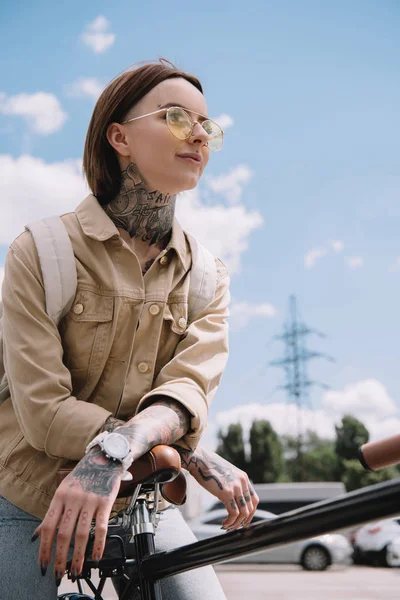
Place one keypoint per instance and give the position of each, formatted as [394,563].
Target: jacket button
[78,309]
[154,309]
[182,322]
[143,367]
[163,260]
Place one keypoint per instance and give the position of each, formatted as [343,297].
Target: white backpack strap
[57,262]
[203,278]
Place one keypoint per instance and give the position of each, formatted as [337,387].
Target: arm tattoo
[95,473]
[143,213]
[164,422]
[111,424]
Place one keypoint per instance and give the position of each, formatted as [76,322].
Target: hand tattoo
[143,213]
[204,465]
[95,473]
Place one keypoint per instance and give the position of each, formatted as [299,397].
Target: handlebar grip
[380,454]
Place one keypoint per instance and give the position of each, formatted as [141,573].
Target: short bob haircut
[100,163]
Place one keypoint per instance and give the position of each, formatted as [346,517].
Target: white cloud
[231,184]
[337,246]
[223,230]
[96,35]
[30,189]
[42,111]
[396,265]
[367,400]
[312,256]
[225,121]
[86,87]
[354,262]
[242,312]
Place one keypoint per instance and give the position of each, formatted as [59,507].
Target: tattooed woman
[126,357]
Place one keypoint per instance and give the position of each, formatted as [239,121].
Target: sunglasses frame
[155,112]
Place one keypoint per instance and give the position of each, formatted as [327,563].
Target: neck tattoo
[147,215]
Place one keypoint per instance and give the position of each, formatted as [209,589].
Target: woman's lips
[190,159]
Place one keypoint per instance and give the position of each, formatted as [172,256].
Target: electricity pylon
[294,364]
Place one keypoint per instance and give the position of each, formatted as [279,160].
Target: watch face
[116,445]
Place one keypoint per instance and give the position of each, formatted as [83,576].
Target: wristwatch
[116,447]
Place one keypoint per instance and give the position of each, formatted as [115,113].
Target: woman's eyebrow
[169,104]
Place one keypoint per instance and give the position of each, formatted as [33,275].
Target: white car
[314,554]
[372,541]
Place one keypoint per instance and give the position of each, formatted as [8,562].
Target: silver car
[313,554]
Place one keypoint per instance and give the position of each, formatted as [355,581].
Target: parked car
[372,541]
[313,554]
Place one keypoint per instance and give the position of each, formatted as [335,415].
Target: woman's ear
[118,139]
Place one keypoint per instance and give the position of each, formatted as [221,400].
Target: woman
[125,356]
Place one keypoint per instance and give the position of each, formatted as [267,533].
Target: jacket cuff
[182,391]
[74,425]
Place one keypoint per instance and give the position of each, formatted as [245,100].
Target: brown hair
[100,162]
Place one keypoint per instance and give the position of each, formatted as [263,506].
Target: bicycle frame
[368,504]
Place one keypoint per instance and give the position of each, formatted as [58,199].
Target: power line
[294,363]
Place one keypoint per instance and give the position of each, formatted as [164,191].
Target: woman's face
[150,145]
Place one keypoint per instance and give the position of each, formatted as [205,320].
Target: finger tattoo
[233,504]
[242,501]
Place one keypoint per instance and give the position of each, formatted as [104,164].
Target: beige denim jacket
[125,340]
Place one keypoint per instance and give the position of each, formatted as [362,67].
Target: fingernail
[58,578]
[73,576]
[43,568]
[224,528]
[34,537]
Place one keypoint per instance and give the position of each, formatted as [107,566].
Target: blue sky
[307,184]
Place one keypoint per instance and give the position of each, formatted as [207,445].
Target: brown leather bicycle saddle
[162,464]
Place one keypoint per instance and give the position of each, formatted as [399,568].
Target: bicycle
[140,518]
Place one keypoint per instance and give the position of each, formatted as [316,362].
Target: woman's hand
[223,480]
[87,493]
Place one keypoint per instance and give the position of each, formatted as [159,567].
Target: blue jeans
[20,577]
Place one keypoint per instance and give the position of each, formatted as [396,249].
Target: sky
[303,199]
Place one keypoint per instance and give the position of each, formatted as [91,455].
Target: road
[242,582]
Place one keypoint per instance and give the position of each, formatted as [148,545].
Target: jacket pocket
[85,330]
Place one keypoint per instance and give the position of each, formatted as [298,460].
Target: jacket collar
[97,225]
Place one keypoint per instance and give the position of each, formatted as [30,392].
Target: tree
[266,453]
[321,464]
[231,446]
[318,461]
[350,435]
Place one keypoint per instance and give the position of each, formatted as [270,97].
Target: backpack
[57,262]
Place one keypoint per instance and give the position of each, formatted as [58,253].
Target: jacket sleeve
[51,419]
[193,375]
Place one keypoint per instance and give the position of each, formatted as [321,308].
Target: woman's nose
[199,134]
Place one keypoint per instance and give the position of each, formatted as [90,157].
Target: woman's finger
[81,537]
[101,528]
[47,530]
[233,512]
[64,537]
[243,511]
[254,500]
